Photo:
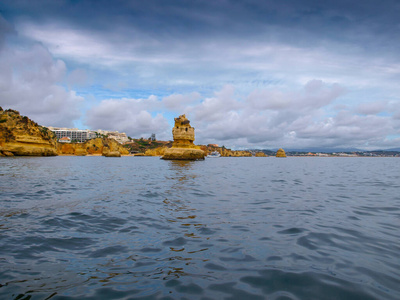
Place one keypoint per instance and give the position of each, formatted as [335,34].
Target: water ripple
[229,228]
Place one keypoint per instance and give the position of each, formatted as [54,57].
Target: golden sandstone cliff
[156,152]
[207,150]
[22,137]
[183,147]
[228,152]
[99,146]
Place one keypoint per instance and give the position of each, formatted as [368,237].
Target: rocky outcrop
[260,154]
[21,136]
[280,153]
[160,151]
[99,146]
[112,154]
[235,153]
[183,147]
[207,150]
[226,152]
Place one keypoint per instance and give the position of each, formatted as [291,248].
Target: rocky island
[183,147]
[280,153]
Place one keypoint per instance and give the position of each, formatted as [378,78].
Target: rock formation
[280,153]
[112,154]
[99,146]
[21,136]
[183,147]
[226,152]
[159,151]
[260,154]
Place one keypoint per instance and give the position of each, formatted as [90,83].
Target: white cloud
[371,108]
[30,82]
[77,77]
[315,94]
[216,108]
[165,61]
[178,101]
[132,116]
[273,118]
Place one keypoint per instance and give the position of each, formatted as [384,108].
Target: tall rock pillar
[183,147]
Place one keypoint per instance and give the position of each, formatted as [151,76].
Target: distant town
[375,153]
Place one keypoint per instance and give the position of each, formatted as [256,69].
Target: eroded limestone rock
[183,147]
[260,154]
[280,153]
[112,154]
[20,136]
[96,146]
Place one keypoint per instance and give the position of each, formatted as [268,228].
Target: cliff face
[98,146]
[226,152]
[235,153]
[21,136]
[156,152]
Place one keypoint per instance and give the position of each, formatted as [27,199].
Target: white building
[120,137]
[83,135]
[65,139]
[73,133]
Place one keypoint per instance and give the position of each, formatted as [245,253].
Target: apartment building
[74,134]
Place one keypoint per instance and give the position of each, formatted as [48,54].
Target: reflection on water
[179,210]
[229,228]
[181,165]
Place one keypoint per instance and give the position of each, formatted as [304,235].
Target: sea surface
[223,228]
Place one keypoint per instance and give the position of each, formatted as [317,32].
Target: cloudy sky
[248,74]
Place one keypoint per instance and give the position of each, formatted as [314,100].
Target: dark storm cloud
[5,29]
[297,22]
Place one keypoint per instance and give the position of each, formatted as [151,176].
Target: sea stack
[183,147]
[280,153]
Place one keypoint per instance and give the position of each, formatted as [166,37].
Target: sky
[248,74]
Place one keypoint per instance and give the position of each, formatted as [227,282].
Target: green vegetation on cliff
[21,136]
[142,145]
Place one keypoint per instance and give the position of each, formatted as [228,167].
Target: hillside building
[73,133]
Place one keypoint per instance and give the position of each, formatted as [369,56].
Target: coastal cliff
[225,152]
[99,146]
[235,153]
[160,151]
[20,136]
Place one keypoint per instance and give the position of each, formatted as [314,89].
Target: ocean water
[223,228]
